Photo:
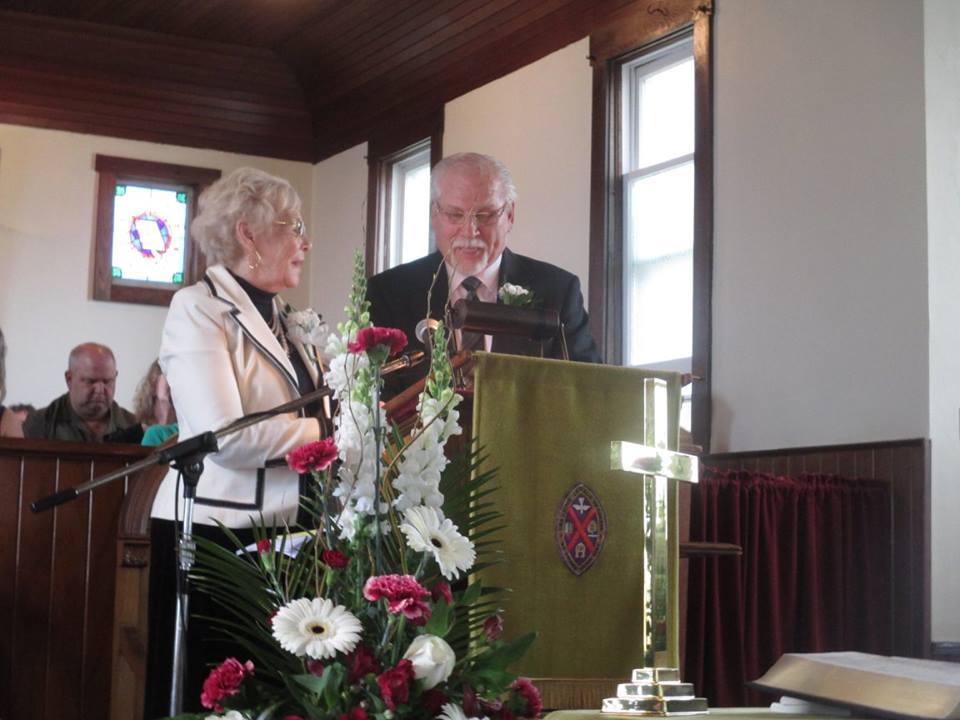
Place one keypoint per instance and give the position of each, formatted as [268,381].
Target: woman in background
[154,408]
[11,423]
[225,354]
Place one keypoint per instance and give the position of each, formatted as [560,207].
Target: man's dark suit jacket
[398,298]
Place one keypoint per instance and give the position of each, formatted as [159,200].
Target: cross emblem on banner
[660,469]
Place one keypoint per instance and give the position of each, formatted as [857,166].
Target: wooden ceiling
[294,79]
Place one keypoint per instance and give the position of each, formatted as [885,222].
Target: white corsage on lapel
[515,295]
[307,330]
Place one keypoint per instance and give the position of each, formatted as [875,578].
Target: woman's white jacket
[222,362]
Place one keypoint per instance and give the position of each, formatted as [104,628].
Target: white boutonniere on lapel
[309,329]
[515,295]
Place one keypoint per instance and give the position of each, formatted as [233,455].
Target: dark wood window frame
[112,170]
[384,148]
[661,23]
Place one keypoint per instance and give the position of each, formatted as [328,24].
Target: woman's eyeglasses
[297,226]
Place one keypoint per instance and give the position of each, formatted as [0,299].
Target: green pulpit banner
[574,536]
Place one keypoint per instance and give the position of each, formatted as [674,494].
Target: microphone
[401,362]
[425,330]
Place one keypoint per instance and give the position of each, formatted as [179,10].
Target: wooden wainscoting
[57,579]
[905,465]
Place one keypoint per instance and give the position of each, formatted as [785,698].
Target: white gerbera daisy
[429,532]
[316,628]
[451,711]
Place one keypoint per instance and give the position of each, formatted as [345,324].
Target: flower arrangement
[515,295]
[368,614]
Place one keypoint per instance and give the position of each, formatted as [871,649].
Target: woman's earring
[257,263]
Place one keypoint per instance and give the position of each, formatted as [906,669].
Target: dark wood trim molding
[112,170]
[644,29]
[385,147]
[702,228]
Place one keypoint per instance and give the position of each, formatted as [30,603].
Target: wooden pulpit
[577,546]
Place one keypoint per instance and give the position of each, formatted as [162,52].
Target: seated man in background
[473,201]
[86,412]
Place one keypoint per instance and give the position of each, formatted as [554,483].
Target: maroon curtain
[814,576]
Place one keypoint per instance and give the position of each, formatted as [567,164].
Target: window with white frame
[399,159]
[408,229]
[657,142]
[651,219]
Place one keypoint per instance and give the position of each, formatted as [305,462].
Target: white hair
[245,194]
[484,165]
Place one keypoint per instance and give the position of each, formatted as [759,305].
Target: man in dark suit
[472,207]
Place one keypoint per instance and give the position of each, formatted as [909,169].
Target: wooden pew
[63,579]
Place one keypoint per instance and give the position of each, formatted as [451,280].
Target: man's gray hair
[245,194]
[475,163]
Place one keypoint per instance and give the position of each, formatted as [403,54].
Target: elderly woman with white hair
[226,352]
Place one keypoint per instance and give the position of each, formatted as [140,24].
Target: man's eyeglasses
[459,217]
[297,226]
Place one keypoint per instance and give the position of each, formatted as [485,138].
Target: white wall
[942,60]
[47,220]
[339,222]
[820,285]
[537,121]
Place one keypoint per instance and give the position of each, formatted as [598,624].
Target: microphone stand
[187,458]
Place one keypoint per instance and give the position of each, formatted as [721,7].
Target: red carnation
[404,595]
[312,457]
[526,691]
[264,546]
[441,591]
[224,681]
[395,684]
[357,713]
[315,667]
[335,559]
[362,662]
[369,338]
[493,627]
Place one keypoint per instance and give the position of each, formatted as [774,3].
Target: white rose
[432,659]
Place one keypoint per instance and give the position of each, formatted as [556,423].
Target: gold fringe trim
[575,693]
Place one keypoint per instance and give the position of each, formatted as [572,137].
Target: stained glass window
[149,234]
[142,249]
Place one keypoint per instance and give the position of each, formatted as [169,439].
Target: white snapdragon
[423,462]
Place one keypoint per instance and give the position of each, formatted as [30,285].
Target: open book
[873,684]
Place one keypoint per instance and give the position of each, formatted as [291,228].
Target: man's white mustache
[468,245]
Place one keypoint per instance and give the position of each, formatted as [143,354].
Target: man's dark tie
[471,340]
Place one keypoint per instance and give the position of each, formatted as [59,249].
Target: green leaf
[440,621]
[501,657]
